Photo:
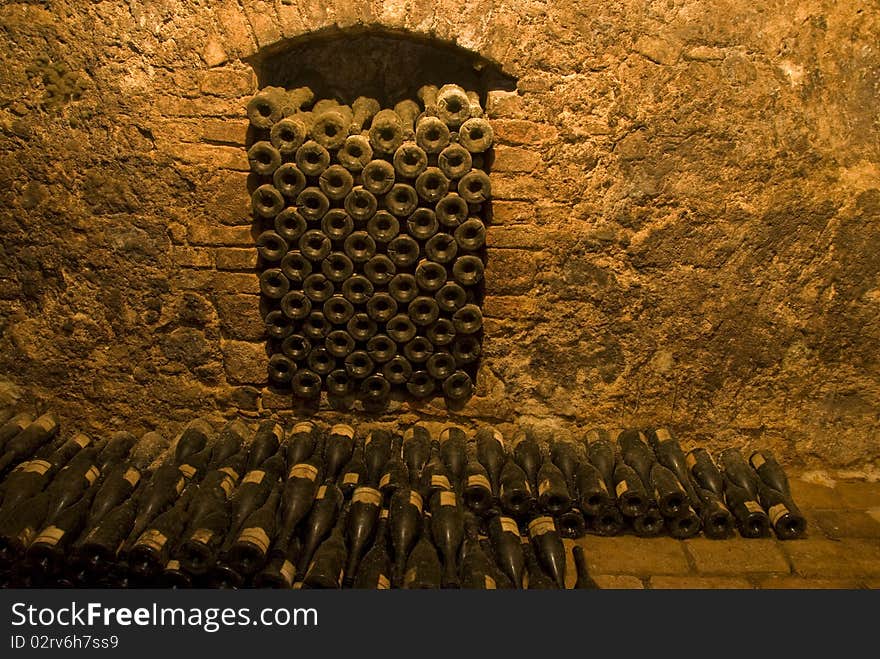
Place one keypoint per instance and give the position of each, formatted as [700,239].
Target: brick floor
[793,582]
[859,495]
[836,524]
[737,556]
[812,496]
[699,583]
[830,558]
[618,582]
[641,557]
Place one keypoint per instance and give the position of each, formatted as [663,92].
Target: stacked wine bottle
[372,241]
[337,509]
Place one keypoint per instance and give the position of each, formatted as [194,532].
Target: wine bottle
[447,531]
[301,442]
[476,487]
[592,493]
[670,455]
[632,499]
[149,553]
[716,518]
[453,452]
[565,455]
[338,449]
[230,441]
[548,548]
[71,482]
[491,454]
[601,455]
[686,523]
[327,567]
[416,451]
[265,444]
[164,487]
[423,568]
[374,571]
[434,476]
[405,526]
[536,578]
[193,439]
[280,571]
[751,520]
[704,472]
[508,545]
[737,471]
[46,554]
[377,450]
[527,454]
[200,546]
[366,504]
[354,473]
[386,132]
[118,484]
[553,495]
[515,494]
[26,442]
[649,523]
[785,518]
[248,553]
[13,426]
[770,472]
[96,551]
[117,448]
[608,521]
[584,580]
[394,473]
[250,495]
[174,576]
[32,476]
[322,518]
[19,527]
[671,497]
[477,569]
[638,456]
[195,464]
[571,523]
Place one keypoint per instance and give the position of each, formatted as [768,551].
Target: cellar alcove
[390,67]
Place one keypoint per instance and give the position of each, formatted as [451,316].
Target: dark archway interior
[384,65]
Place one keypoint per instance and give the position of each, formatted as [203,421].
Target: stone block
[510,271]
[192,257]
[630,555]
[233,258]
[816,557]
[521,132]
[699,583]
[837,524]
[737,556]
[245,363]
[515,159]
[240,317]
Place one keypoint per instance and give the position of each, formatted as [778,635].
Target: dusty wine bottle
[527,454]
[478,571]
[321,520]
[378,176]
[785,518]
[751,519]
[361,204]
[280,571]
[416,451]
[297,498]
[386,132]
[508,545]
[248,553]
[410,160]
[584,580]
[46,553]
[374,571]
[738,471]
[327,568]
[250,494]
[355,153]
[548,548]
[553,495]
[366,504]
[394,472]
[26,442]
[423,567]
[312,159]
[671,497]
[354,473]
[491,454]
[515,493]
[150,552]
[632,498]
[571,523]
[405,527]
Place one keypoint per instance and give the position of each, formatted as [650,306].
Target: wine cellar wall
[682,231]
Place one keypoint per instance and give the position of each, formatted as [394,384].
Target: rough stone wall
[686,220]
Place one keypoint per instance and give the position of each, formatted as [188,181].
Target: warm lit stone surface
[697,264]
